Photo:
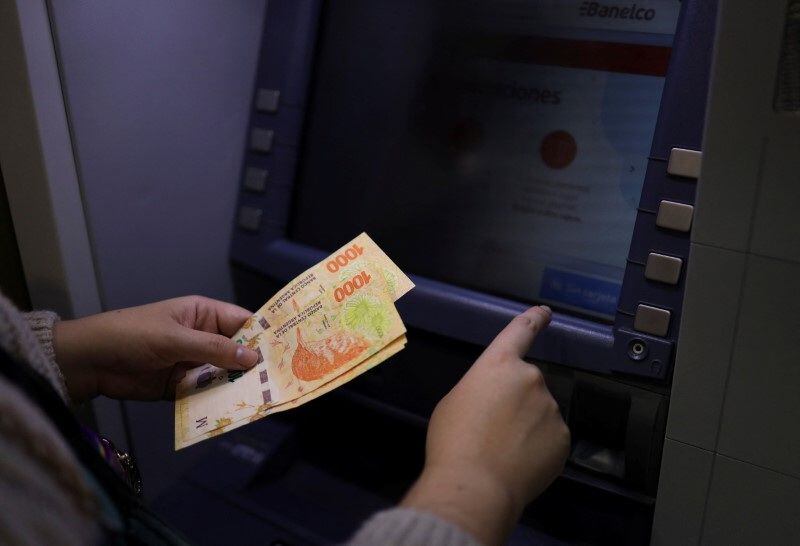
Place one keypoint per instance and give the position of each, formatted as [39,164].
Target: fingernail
[546,309]
[246,357]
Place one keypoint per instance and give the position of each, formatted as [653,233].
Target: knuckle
[172,346]
[565,437]
[566,434]
[218,345]
[523,320]
[197,299]
[494,356]
[191,302]
[507,357]
[552,407]
[444,406]
[535,318]
[533,376]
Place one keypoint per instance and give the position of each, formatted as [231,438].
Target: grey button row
[261,140]
[661,267]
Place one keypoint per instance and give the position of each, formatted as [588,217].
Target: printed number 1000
[341,260]
[349,287]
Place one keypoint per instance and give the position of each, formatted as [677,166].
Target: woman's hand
[496,441]
[140,353]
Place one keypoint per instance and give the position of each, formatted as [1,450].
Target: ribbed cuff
[41,324]
[409,527]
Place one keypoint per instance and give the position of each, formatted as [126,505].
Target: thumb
[194,345]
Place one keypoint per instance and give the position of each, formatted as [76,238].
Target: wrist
[468,497]
[69,347]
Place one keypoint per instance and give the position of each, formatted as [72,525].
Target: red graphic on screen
[558,149]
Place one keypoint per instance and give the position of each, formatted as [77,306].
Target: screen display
[500,146]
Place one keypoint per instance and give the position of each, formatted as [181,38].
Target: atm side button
[249,218]
[684,163]
[663,268]
[256,179]
[261,140]
[675,216]
[651,320]
[267,100]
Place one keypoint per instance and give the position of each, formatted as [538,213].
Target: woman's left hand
[140,353]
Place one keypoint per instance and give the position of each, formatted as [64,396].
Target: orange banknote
[333,319]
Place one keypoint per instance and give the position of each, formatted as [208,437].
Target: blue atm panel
[503,154]
[499,168]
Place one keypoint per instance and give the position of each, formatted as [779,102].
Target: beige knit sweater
[46,497]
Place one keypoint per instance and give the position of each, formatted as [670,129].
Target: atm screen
[499,146]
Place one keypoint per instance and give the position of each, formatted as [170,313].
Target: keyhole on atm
[637,349]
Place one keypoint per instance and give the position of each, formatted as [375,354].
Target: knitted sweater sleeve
[39,474]
[408,527]
[42,324]
[28,337]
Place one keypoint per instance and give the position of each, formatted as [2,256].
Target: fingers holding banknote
[496,440]
[138,353]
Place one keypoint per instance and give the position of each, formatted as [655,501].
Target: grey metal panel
[41,180]
[762,405]
[747,198]
[682,490]
[776,229]
[748,505]
[159,95]
[711,302]
[39,168]
[735,120]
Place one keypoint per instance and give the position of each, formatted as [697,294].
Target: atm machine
[503,154]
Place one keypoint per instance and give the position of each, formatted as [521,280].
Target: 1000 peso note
[328,321]
[263,411]
[336,273]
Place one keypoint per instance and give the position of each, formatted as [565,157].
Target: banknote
[304,350]
[332,318]
[201,385]
[385,353]
[307,350]
[334,272]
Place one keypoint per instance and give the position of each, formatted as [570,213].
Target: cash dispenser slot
[617,431]
[598,421]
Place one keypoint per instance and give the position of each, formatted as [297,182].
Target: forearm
[475,502]
[73,346]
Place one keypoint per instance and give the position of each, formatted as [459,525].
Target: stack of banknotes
[327,326]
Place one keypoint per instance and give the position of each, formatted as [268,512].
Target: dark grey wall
[12,277]
[158,95]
